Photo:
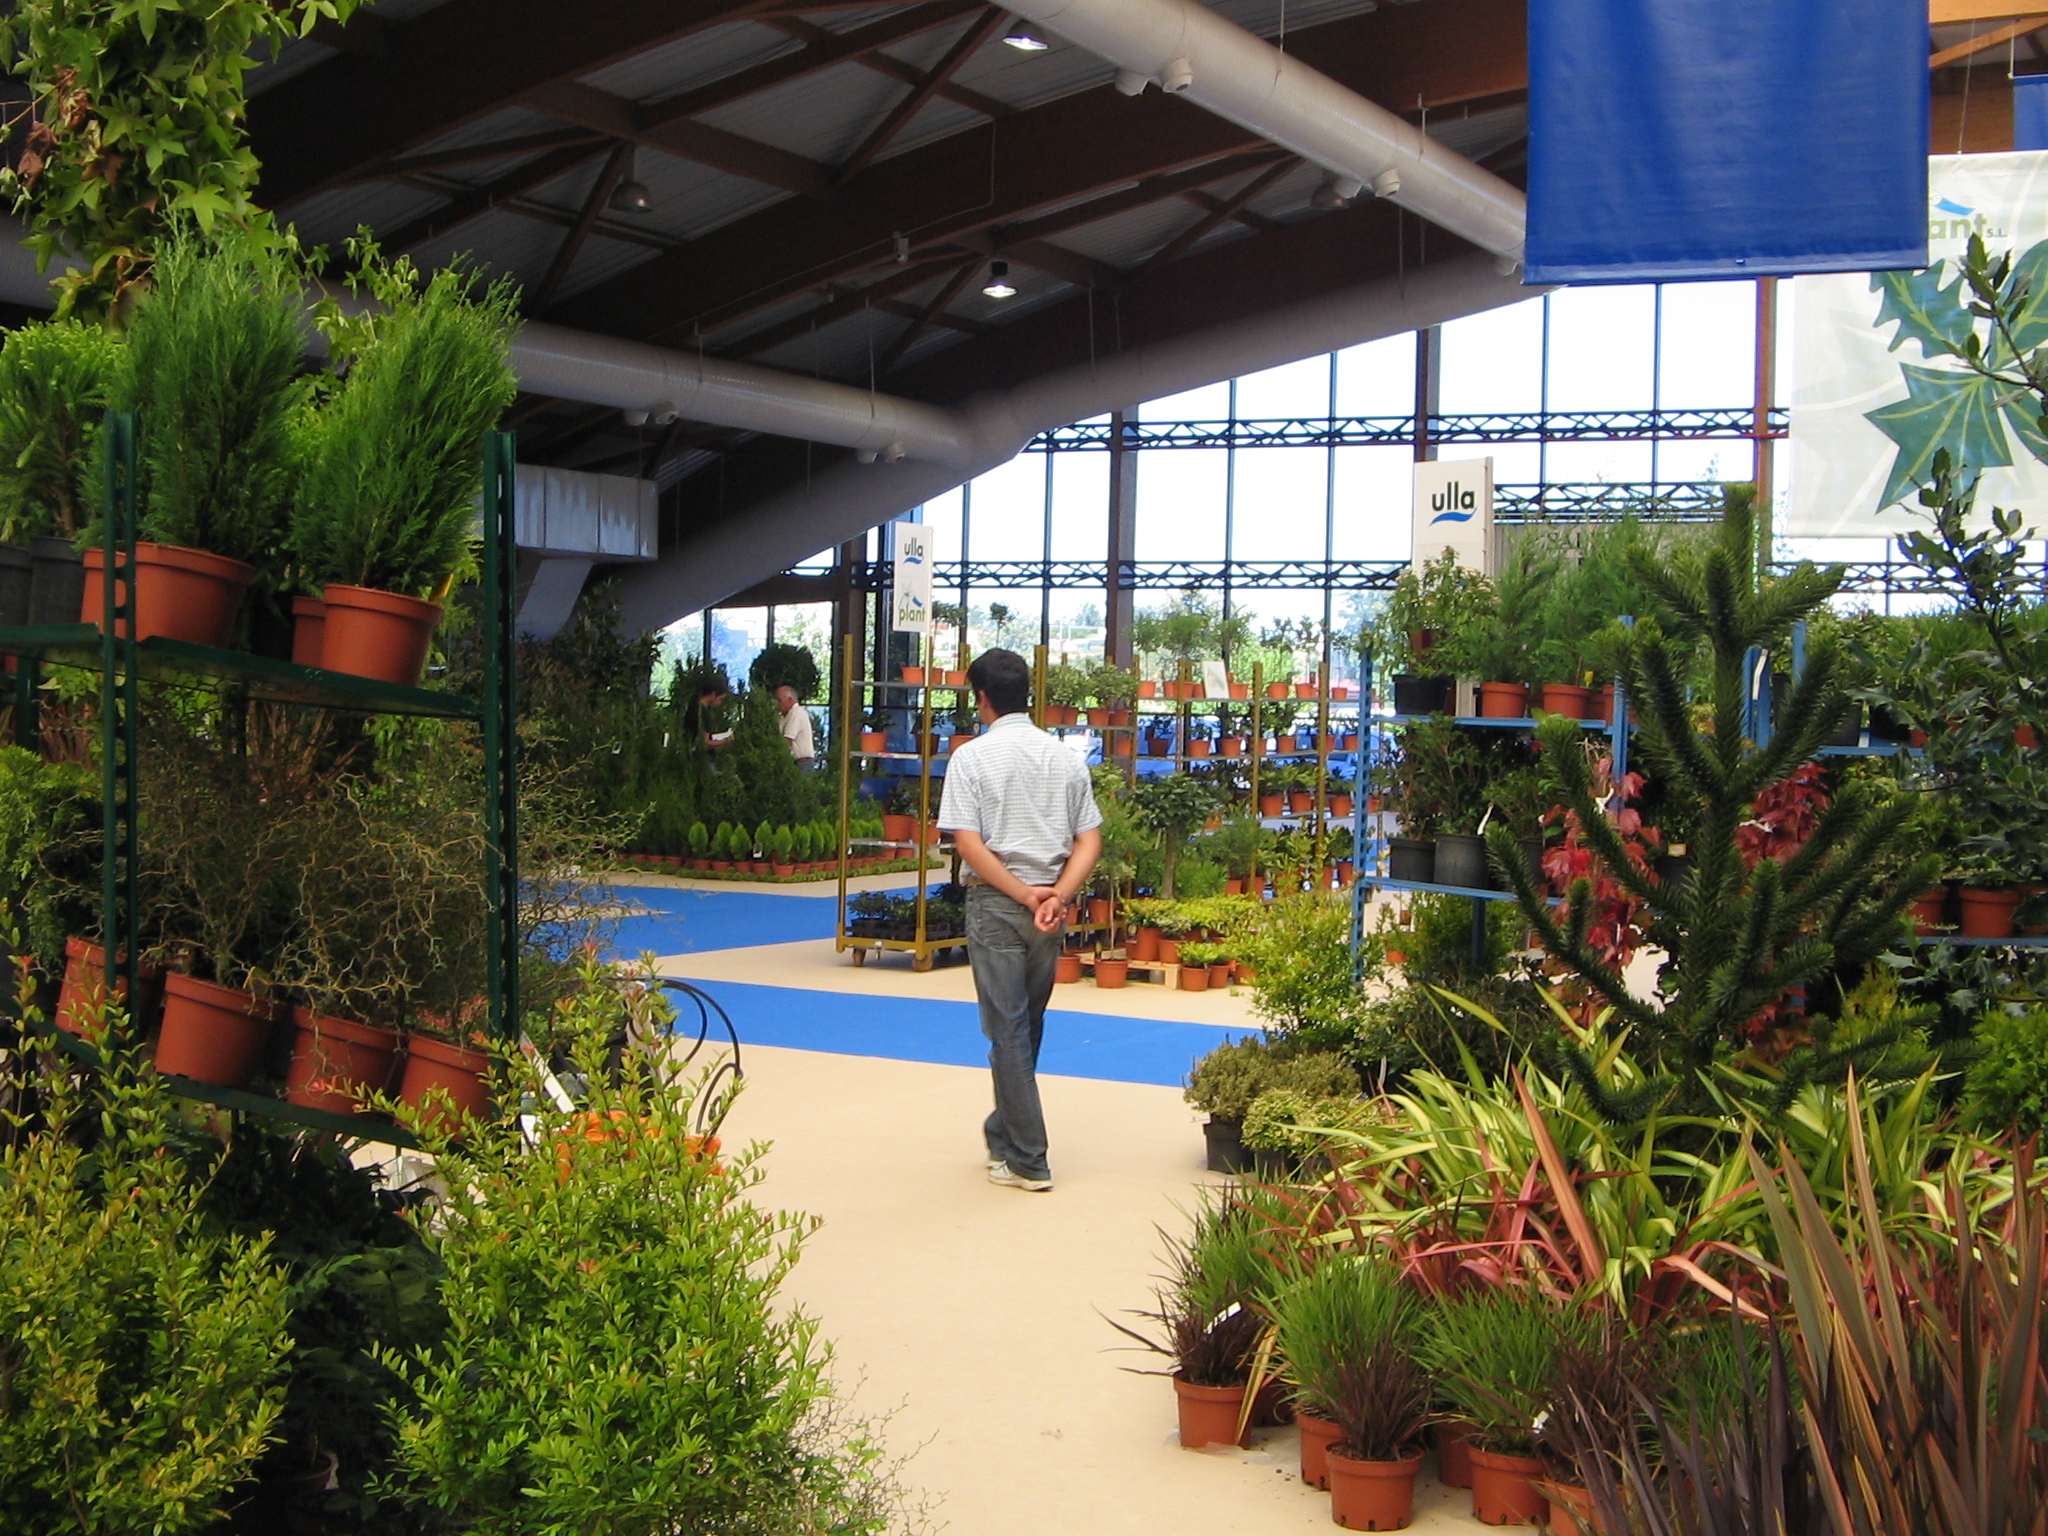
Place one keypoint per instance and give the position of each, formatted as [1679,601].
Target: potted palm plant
[54,377]
[383,521]
[211,369]
[1349,1331]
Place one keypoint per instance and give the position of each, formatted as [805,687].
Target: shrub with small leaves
[2007,1085]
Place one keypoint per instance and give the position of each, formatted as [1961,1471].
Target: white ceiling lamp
[999,285]
[631,195]
[1336,191]
[1024,40]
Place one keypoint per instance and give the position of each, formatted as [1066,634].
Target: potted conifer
[383,521]
[54,377]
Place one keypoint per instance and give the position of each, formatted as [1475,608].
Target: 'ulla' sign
[1454,510]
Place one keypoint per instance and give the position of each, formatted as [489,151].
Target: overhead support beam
[1210,202]
[840,307]
[463,206]
[1203,227]
[819,52]
[571,101]
[572,243]
[1054,260]
[899,117]
[452,64]
[1946,13]
[883,64]
[547,213]
[922,321]
[476,154]
[1983,42]
[943,321]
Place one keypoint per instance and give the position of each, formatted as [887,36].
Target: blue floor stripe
[948,1033]
[687,922]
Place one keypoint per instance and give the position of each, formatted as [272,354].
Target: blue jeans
[1013,968]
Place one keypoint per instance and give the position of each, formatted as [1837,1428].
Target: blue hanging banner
[2030,112]
[1676,139]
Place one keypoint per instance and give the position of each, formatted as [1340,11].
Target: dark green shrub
[54,379]
[783,664]
[2006,1088]
[1226,1081]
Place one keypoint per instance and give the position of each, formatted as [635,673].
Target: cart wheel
[860,957]
[921,962]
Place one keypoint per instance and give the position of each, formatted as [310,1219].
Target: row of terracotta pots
[1511,701]
[1977,912]
[218,1036]
[937,677]
[816,869]
[192,595]
[1301,802]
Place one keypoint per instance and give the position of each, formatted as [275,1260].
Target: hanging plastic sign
[1454,510]
[910,579]
[1871,406]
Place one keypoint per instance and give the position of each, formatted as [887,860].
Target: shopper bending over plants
[1022,813]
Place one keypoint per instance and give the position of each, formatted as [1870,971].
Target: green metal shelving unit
[123,663]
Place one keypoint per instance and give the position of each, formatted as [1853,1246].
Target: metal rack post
[501,737]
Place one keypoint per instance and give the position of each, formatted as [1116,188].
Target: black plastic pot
[1532,858]
[1847,734]
[1461,860]
[17,576]
[58,590]
[1411,858]
[1227,1152]
[1275,1166]
[1886,726]
[1674,870]
[1422,695]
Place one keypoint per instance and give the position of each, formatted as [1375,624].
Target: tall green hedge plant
[53,391]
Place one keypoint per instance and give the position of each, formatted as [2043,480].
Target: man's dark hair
[1005,677]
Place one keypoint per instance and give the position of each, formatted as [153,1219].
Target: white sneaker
[1003,1173]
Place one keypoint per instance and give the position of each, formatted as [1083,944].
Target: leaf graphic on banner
[1927,312]
[2030,324]
[1943,408]
[2023,416]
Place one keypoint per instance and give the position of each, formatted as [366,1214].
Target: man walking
[1022,813]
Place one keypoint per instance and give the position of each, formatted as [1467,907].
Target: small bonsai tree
[1741,931]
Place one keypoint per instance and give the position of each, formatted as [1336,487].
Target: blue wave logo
[1946,206]
[1450,517]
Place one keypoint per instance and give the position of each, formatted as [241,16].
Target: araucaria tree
[1742,932]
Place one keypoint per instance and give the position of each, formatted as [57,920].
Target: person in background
[705,719]
[1022,812]
[796,727]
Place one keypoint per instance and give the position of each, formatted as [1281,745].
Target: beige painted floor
[972,1314]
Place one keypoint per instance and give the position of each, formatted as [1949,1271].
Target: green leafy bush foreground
[576,1331]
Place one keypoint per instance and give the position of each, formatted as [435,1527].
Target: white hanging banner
[1454,510]
[910,580]
[1868,403]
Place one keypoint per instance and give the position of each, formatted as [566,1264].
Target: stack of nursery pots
[315,517]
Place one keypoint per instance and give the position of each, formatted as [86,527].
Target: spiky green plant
[1497,1358]
[1349,1331]
[396,453]
[1739,939]
[212,370]
[53,392]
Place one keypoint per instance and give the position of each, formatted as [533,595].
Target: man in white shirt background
[796,727]
[1022,812]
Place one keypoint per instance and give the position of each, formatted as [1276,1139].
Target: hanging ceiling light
[631,194]
[1024,40]
[999,285]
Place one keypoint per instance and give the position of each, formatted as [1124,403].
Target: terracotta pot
[335,1062]
[1567,699]
[1112,973]
[1300,801]
[1066,970]
[1276,690]
[785,871]
[913,674]
[1504,1490]
[1930,911]
[1240,690]
[899,829]
[1317,1436]
[1503,701]
[1148,689]
[1233,886]
[1348,742]
[309,631]
[1219,974]
[1123,746]
[1988,914]
[1098,718]
[180,594]
[1341,692]
[1208,1415]
[1272,805]
[1169,951]
[439,1066]
[874,741]
[1566,1501]
[1099,909]
[382,635]
[1194,978]
[1230,746]
[1304,690]
[212,1034]
[1119,717]
[955,679]
[1603,704]
[2024,736]
[1453,1447]
[84,987]
[1340,807]
[1372,1495]
[1145,944]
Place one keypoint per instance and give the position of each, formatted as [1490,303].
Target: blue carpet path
[936,1030]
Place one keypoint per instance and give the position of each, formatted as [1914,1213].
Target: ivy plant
[136,119]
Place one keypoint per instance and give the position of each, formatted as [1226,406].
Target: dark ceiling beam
[920,94]
[548,213]
[571,101]
[1058,261]
[816,54]
[572,243]
[526,407]
[922,320]
[1140,195]
[468,203]
[840,306]
[1213,219]
[443,68]
[581,430]
[477,154]
[1244,216]
[894,68]
[944,322]
[365,34]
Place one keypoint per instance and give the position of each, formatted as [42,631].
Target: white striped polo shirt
[1024,793]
